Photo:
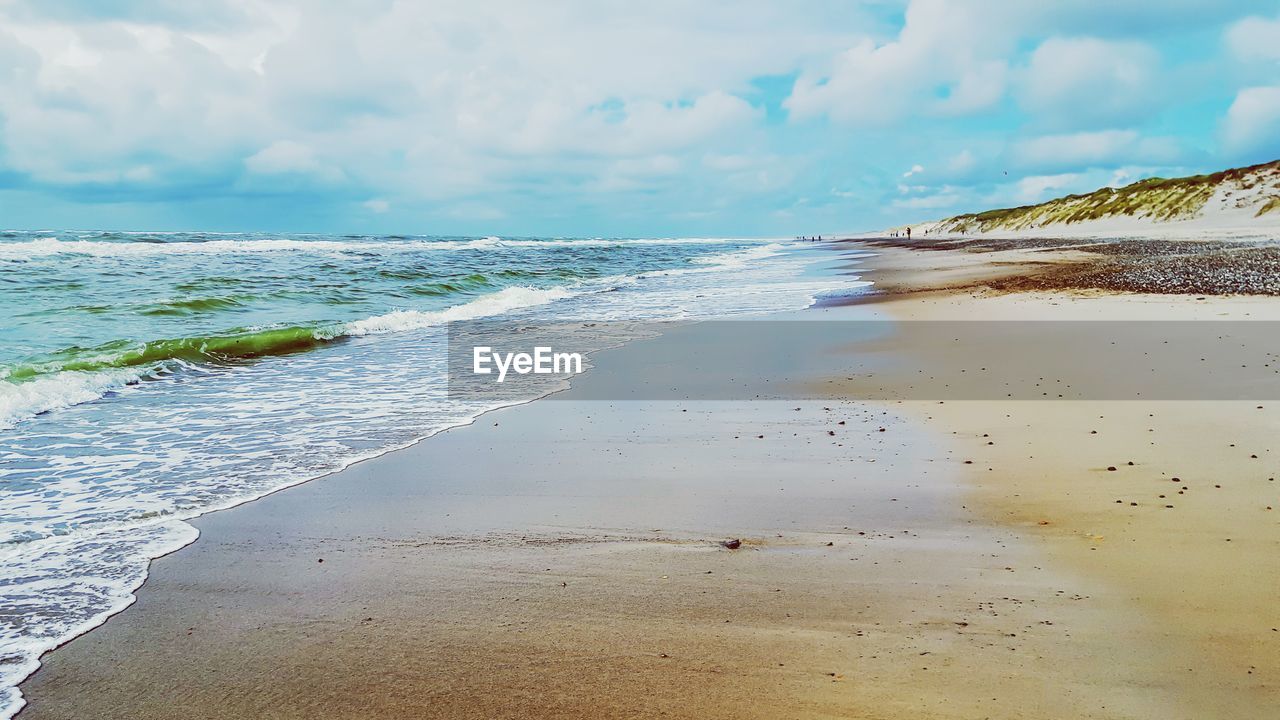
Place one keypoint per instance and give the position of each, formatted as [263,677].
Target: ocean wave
[48,246]
[739,258]
[19,401]
[75,375]
[236,345]
[194,305]
[174,306]
[100,565]
[493,304]
[458,284]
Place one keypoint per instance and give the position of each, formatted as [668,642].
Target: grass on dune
[1157,199]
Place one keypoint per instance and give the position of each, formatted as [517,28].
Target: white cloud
[1085,147]
[957,47]
[943,199]
[475,211]
[429,100]
[1255,38]
[915,170]
[1087,82]
[1252,125]
[81,103]
[283,156]
[1035,188]
[979,86]
[636,172]
[1105,148]
[729,162]
[961,162]
[491,110]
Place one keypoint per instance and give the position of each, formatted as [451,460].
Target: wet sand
[563,559]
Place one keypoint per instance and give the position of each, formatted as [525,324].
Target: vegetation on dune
[1153,199]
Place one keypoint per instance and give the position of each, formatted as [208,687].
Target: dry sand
[561,559]
[1171,503]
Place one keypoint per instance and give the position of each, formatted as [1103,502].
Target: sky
[611,117]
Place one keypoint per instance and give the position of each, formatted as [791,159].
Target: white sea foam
[511,298]
[104,565]
[22,400]
[739,258]
[47,246]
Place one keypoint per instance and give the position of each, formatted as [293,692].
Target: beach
[147,379]
[899,558]
[1169,502]
[911,360]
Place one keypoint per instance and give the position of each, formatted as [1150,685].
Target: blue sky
[603,117]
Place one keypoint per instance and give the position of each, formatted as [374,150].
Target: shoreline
[647,567]
[187,524]
[108,585]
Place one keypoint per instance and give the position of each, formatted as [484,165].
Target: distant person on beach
[908,233]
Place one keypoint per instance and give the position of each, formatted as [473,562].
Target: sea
[148,378]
